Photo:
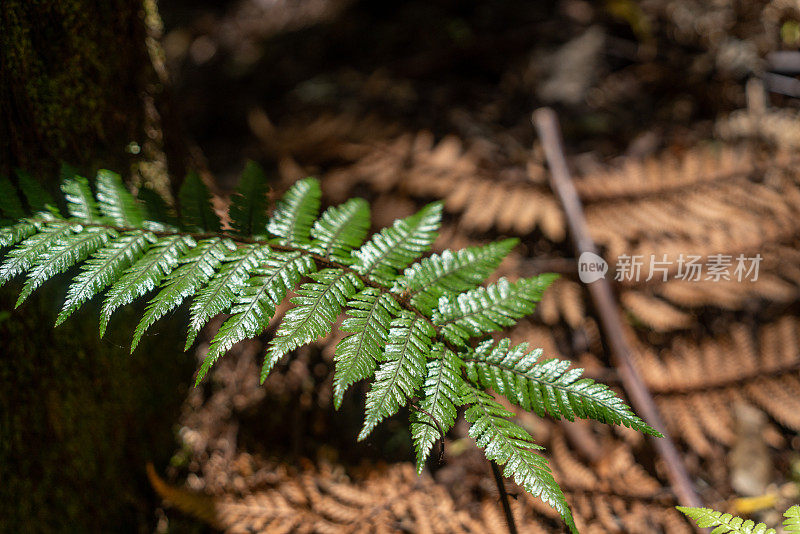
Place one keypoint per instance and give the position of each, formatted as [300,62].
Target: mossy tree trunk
[79,417]
[72,73]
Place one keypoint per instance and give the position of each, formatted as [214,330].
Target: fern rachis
[410,321]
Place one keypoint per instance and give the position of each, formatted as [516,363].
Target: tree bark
[72,74]
[79,417]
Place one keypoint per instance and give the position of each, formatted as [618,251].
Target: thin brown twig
[546,123]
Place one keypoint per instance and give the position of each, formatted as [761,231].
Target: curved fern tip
[652,431]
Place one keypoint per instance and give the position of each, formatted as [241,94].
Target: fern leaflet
[31,249]
[144,275]
[157,209]
[11,235]
[442,389]
[195,201]
[402,370]
[296,212]
[256,301]
[724,523]
[221,291]
[727,523]
[62,255]
[450,273]
[370,313]
[488,309]
[548,386]
[104,268]
[394,248]
[792,521]
[318,305]
[80,202]
[198,267]
[341,229]
[511,446]
[116,203]
[248,209]
[38,199]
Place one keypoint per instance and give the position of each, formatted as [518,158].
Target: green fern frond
[341,229]
[317,306]
[724,523]
[450,273]
[402,370]
[144,275]
[11,235]
[792,521]
[10,204]
[248,209]
[727,523]
[116,202]
[442,390]
[104,268]
[296,212]
[67,171]
[489,309]
[391,250]
[38,199]
[256,301]
[157,208]
[80,202]
[195,201]
[402,330]
[63,254]
[370,313]
[221,291]
[511,446]
[199,265]
[546,386]
[29,251]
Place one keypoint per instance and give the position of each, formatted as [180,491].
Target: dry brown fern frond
[669,306]
[667,172]
[728,294]
[712,200]
[612,493]
[329,137]
[654,313]
[324,500]
[697,384]
[733,216]
[418,166]
[563,300]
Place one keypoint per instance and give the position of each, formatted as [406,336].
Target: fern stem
[501,489]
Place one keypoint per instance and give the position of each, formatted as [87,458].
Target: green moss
[71,76]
